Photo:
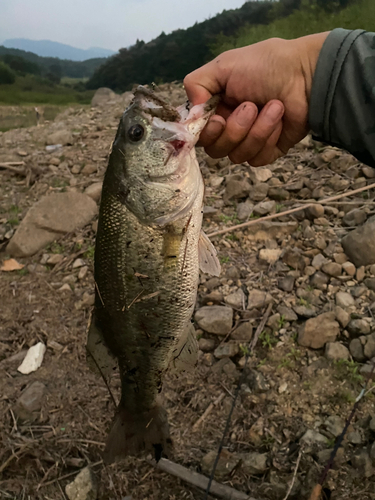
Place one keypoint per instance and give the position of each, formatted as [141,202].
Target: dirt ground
[41,454]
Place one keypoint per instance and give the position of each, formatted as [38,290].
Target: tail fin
[132,434]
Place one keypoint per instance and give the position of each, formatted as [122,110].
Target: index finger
[202,84]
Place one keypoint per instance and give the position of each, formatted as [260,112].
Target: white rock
[270,255]
[33,359]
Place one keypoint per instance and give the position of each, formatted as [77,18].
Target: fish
[148,252]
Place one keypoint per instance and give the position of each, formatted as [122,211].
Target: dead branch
[10,164]
[68,475]
[291,211]
[260,327]
[294,474]
[208,411]
[199,480]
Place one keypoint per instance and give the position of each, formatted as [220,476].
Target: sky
[110,24]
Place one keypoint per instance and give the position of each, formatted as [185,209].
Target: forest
[170,57]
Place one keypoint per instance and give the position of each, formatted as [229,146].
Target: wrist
[308,48]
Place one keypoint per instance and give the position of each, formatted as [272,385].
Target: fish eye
[136,132]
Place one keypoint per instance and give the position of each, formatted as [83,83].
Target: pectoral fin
[208,261]
[98,356]
[185,355]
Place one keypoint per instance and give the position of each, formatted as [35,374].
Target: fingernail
[246,115]
[274,111]
[213,128]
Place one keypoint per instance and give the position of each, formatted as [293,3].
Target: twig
[208,410]
[10,164]
[291,211]
[198,480]
[261,326]
[12,457]
[294,474]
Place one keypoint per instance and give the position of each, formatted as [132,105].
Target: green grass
[305,21]
[34,90]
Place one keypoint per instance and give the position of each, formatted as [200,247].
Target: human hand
[266,90]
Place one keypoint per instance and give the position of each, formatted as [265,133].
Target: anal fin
[185,355]
[208,261]
[99,357]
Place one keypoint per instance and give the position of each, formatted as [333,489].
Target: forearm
[342,101]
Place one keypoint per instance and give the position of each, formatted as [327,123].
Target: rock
[360,274]
[235,189]
[102,96]
[259,192]
[256,381]
[313,437]
[254,463]
[258,299]
[237,299]
[362,462]
[286,283]
[265,207]
[78,263]
[357,327]
[355,217]
[30,402]
[206,345]
[345,300]
[336,351]
[319,280]
[354,437]
[342,316]
[260,174]
[370,283]
[294,259]
[335,425]
[368,172]
[369,348]
[82,272]
[215,297]
[88,169]
[268,230]
[215,319]
[94,191]
[270,255]
[356,350]
[332,269]
[287,313]
[340,257]
[244,210]
[359,244]
[227,350]
[274,322]
[84,486]
[243,332]
[316,332]
[278,194]
[54,215]
[349,268]
[227,462]
[318,261]
[305,311]
[213,283]
[55,259]
[233,273]
[33,359]
[62,137]
[315,211]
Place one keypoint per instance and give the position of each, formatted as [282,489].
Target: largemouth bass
[149,248]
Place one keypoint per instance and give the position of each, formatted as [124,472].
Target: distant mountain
[47,48]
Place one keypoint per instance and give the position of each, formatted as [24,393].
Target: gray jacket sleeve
[342,102]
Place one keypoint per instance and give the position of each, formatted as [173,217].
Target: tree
[6,74]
